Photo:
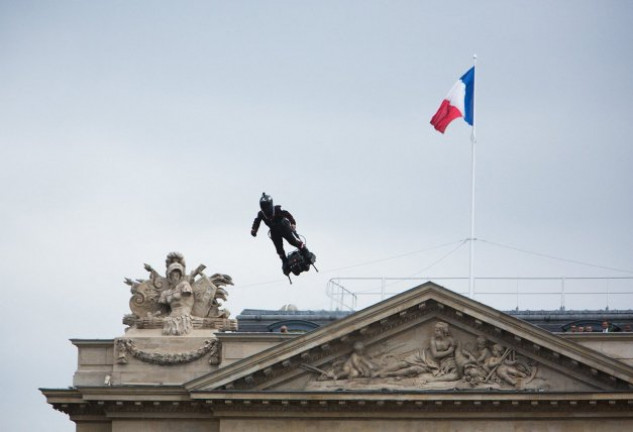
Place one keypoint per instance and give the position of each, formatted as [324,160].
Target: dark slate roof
[264,321]
[562,320]
[260,320]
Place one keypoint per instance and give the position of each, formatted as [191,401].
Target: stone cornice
[420,405]
[408,396]
[175,402]
[256,337]
[97,401]
[135,392]
[94,342]
[59,396]
[598,337]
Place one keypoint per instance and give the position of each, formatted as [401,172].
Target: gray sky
[131,129]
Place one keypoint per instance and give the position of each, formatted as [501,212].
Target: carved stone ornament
[127,346]
[179,302]
[441,362]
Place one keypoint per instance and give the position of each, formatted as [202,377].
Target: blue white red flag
[458,103]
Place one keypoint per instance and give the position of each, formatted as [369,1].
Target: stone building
[426,359]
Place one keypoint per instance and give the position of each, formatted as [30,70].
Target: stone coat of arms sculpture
[179,302]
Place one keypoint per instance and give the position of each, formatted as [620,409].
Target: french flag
[458,103]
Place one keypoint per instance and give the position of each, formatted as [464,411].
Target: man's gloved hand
[253,233]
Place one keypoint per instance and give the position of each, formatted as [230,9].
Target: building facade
[427,359]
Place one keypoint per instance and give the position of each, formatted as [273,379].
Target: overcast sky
[129,129]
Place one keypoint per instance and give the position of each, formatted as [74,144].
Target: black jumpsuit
[280,228]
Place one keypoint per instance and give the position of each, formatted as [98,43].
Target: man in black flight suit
[282,226]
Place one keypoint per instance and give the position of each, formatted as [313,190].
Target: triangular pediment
[426,339]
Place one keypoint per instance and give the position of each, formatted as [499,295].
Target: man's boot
[308,256]
[285,268]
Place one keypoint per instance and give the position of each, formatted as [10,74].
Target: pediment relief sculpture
[179,301]
[441,361]
[424,340]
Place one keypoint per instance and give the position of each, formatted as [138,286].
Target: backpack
[298,263]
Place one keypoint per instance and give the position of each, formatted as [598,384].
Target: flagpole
[473,140]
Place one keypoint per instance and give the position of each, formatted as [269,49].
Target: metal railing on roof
[503,293]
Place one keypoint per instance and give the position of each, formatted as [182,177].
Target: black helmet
[266,204]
